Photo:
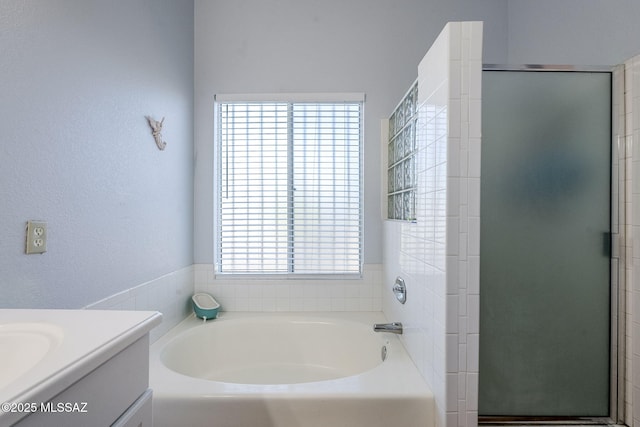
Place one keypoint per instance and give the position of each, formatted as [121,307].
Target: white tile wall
[169,294]
[621,221]
[438,255]
[288,294]
[631,146]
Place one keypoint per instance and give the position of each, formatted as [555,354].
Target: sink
[23,345]
[45,351]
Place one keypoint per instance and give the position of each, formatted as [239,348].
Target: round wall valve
[400,290]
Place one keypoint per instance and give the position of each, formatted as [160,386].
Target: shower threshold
[545,421]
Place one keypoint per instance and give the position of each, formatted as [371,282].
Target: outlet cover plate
[36,237]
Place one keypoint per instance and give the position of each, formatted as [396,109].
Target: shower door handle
[606,243]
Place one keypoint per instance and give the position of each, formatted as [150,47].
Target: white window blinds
[289,187]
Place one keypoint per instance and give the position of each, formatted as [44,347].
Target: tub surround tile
[169,294]
[290,294]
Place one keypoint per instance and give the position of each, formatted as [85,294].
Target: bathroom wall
[78,77]
[438,254]
[579,32]
[258,46]
[370,46]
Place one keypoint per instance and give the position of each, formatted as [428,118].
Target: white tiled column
[438,255]
[463,224]
[632,136]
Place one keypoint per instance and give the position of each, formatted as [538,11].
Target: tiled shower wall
[438,254]
[631,146]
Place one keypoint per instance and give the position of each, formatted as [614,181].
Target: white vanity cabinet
[106,396]
[107,385]
[139,414]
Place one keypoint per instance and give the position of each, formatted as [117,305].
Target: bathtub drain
[383,352]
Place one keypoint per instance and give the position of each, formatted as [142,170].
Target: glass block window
[401,172]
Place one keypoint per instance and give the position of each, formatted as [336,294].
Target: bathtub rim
[366,344]
[397,377]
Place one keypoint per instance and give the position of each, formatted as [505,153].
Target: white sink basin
[43,352]
[23,346]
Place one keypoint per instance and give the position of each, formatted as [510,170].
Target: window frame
[220,99]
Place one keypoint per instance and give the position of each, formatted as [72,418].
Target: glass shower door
[545,247]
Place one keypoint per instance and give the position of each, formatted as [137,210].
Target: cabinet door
[138,414]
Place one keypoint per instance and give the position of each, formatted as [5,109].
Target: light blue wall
[581,32]
[78,76]
[370,46]
[77,79]
[373,46]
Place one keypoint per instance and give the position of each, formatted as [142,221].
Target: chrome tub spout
[394,327]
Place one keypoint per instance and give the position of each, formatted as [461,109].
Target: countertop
[81,340]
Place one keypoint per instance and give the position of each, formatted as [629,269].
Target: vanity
[75,368]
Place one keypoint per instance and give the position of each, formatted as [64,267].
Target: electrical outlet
[36,237]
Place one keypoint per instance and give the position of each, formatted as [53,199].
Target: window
[401,171]
[289,186]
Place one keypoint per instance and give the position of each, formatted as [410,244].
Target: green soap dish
[205,306]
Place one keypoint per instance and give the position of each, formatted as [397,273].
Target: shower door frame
[618,253]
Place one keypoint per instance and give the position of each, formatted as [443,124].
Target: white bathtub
[286,370]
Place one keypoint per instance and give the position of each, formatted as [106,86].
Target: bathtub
[286,370]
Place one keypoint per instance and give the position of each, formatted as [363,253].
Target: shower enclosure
[545,266]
